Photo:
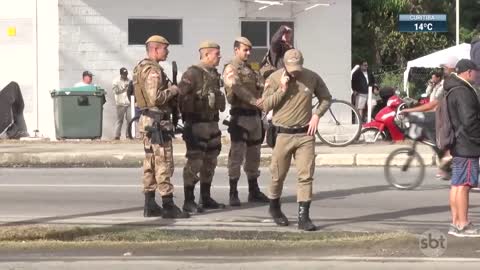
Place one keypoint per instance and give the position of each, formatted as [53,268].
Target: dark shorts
[465,171]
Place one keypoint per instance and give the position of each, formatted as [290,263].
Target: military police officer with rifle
[154,94]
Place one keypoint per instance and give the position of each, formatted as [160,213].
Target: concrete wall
[78,35]
[94,36]
[323,34]
[36,76]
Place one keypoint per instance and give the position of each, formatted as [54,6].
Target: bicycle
[408,158]
[132,130]
[340,125]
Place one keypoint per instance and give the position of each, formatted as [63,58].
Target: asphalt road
[221,263]
[345,199]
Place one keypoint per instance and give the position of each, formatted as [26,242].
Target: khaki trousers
[240,151]
[302,148]
[158,167]
[245,137]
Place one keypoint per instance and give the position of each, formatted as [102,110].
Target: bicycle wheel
[404,169]
[371,135]
[133,126]
[337,128]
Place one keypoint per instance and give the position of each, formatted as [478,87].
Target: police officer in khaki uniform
[289,92]
[153,94]
[200,103]
[243,88]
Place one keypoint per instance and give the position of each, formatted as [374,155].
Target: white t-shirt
[365,73]
[80,84]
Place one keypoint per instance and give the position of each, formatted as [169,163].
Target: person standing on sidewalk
[122,102]
[289,93]
[200,103]
[243,87]
[87,79]
[362,78]
[281,42]
[153,93]
[464,113]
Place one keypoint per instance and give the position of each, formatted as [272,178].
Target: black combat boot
[206,200]
[234,200]
[276,212]
[189,205]
[254,193]
[304,222]
[151,208]
[170,210]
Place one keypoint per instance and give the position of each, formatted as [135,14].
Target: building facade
[47,44]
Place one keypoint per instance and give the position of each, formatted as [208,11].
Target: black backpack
[445,133]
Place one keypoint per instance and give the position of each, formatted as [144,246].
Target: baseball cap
[465,65]
[87,73]
[293,60]
[123,71]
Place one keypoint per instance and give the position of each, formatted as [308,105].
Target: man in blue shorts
[464,110]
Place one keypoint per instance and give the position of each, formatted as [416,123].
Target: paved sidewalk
[130,154]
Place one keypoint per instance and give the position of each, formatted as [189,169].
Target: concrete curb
[135,160]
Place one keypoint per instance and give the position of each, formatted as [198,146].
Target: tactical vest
[248,79]
[142,98]
[208,99]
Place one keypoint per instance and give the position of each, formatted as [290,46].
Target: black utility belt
[244,112]
[292,130]
[199,117]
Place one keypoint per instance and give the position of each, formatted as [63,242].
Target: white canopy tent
[449,56]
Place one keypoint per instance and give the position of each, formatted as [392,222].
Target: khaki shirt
[153,86]
[150,77]
[293,108]
[247,86]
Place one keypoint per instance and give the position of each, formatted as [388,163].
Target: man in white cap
[122,103]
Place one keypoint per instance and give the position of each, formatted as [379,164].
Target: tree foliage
[376,37]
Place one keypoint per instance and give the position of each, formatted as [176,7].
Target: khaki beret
[157,38]
[244,41]
[208,44]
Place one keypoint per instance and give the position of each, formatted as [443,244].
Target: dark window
[256,57]
[256,32]
[275,25]
[260,34]
[139,30]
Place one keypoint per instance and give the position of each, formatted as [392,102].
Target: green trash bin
[78,112]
